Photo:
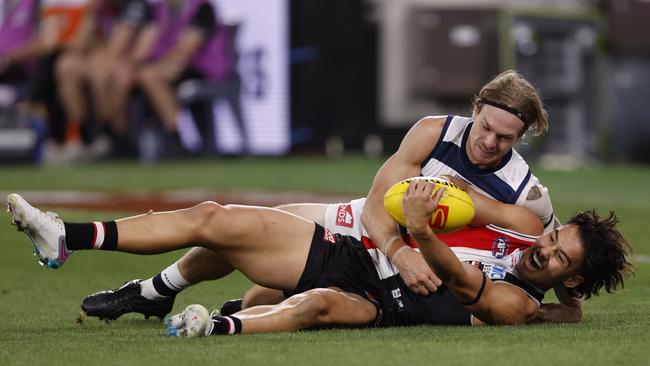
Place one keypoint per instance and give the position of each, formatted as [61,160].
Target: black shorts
[342,261]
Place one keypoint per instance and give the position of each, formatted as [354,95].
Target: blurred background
[93,80]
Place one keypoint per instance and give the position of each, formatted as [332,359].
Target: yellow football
[455,209]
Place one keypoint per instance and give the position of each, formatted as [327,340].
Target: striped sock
[165,284]
[224,325]
[93,235]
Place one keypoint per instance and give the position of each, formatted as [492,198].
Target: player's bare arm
[489,211]
[489,302]
[405,163]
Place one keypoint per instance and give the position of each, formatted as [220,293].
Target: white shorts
[345,218]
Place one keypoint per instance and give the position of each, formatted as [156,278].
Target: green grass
[39,309]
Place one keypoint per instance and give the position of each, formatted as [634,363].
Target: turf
[40,321]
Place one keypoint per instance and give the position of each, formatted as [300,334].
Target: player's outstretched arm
[405,163]
[489,211]
[491,303]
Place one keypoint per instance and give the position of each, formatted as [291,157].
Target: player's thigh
[268,245]
[309,211]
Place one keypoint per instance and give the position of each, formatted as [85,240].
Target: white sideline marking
[262,198]
[641,258]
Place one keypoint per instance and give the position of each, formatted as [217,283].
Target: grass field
[39,309]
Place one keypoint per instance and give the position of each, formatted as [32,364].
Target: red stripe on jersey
[482,238]
[369,244]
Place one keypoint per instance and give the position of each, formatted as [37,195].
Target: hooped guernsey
[357,266]
[509,182]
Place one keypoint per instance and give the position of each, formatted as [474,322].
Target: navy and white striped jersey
[510,182]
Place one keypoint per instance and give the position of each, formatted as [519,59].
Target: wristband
[389,243]
[397,253]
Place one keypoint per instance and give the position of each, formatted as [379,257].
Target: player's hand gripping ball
[455,209]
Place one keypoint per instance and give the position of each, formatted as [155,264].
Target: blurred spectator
[64,26]
[191,43]
[116,23]
[17,42]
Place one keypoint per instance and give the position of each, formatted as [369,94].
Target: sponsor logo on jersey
[344,216]
[329,237]
[500,247]
[440,216]
[494,272]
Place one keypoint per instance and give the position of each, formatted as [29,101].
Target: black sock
[162,288]
[93,235]
[225,325]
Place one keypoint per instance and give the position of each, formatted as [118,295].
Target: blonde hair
[511,89]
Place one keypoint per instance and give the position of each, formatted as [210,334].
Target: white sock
[164,285]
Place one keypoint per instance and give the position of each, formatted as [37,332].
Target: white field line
[641,258]
[264,198]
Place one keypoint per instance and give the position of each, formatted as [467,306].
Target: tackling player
[332,280]
[477,150]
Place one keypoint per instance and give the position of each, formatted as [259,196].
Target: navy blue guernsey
[510,182]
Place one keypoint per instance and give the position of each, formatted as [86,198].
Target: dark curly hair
[605,261]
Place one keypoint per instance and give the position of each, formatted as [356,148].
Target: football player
[477,150]
[333,280]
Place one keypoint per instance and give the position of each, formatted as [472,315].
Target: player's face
[492,136]
[554,259]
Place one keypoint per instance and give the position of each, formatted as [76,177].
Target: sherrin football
[455,208]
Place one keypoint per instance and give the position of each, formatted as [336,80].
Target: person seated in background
[63,25]
[182,40]
[116,24]
[18,50]
[191,44]
[17,40]
[334,280]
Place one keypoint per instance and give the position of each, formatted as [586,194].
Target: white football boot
[45,230]
[194,321]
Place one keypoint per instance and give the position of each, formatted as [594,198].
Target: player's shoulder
[422,137]
[431,122]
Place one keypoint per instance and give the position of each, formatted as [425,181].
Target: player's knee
[205,217]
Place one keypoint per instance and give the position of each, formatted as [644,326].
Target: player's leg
[258,295]
[155,296]
[315,308]
[269,246]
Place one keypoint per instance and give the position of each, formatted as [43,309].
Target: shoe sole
[17,219]
[160,315]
